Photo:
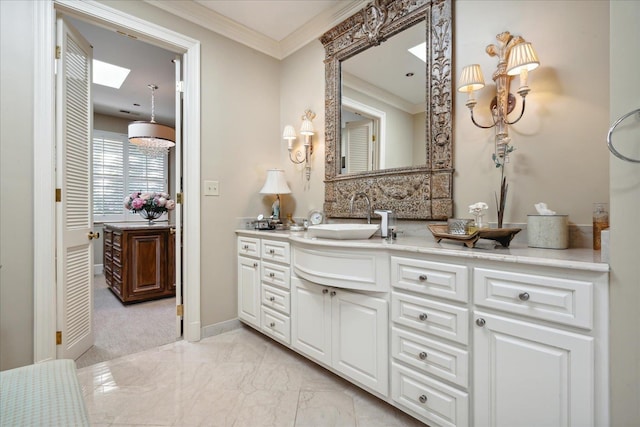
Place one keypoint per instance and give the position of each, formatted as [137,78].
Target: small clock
[316,217]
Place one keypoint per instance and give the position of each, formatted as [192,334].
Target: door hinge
[58,194]
[58,337]
[373,138]
[180,86]
[58,52]
[180,310]
[179,198]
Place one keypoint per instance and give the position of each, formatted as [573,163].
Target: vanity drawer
[275,250]
[249,246]
[436,318]
[276,325]
[431,356]
[276,298]
[564,301]
[277,275]
[117,239]
[435,401]
[108,236]
[116,255]
[431,278]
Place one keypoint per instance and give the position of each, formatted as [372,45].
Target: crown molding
[213,21]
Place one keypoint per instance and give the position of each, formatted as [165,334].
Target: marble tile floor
[239,378]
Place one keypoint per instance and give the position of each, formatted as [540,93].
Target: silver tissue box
[458,225]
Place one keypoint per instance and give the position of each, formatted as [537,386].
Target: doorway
[44,128]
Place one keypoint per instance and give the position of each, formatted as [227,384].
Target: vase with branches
[501,158]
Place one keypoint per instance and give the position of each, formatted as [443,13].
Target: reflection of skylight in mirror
[420,51]
[106,74]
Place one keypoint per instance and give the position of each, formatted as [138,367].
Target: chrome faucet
[366,198]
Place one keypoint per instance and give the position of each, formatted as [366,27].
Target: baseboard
[98,269]
[220,328]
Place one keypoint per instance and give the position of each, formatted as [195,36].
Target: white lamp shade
[471,78]
[152,134]
[289,133]
[307,127]
[522,57]
[275,183]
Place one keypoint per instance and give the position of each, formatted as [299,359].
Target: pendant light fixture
[153,139]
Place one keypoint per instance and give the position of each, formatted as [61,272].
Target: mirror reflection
[383,105]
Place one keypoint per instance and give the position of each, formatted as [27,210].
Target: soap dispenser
[387,223]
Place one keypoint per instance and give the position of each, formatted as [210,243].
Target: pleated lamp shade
[522,56]
[275,183]
[471,78]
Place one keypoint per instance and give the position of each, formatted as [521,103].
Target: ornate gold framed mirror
[362,141]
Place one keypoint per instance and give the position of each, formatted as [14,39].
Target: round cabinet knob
[245,246]
[480,322]
[422,277]
[272,324]
[272,298]
[422,316]
[325,291]
[422,398]
[255,264]
[271,251]
[272,275]
[524,296]
[422,355]
[333,293]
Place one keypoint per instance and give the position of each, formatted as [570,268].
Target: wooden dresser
[139,261]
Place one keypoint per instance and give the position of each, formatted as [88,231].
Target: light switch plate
[211,188]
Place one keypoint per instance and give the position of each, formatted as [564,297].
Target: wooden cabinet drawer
[108,251]
[274,250]
[116,270]
[276,325]
[555,299]
[433,400]
[276,298]
[116,255]
[108,236]
[249,246]
[440,319]
[431,356]
[117,239]
[277,275]
[430,278]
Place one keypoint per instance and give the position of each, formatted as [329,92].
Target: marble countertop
[137,225]
[572,258]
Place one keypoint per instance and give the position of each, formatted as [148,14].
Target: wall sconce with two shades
[302,156]
[515,57]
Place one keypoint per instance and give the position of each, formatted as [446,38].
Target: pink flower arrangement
[150,202]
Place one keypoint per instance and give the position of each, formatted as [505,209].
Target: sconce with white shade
[153,139]
[302,156]
[275,183]
[515,57]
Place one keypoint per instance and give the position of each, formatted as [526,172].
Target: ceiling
[274,27]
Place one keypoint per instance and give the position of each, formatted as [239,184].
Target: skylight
[106,74]
[420,51]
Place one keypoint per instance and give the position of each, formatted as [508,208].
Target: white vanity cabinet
[539,350]
[429,339]
[342,329]
[249,280]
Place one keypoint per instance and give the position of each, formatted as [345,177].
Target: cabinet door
[360,325]
[531,375]
[147,264]
[249,290]
[311,320]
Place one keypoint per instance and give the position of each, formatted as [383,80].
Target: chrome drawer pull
[272,275]
[422,277]
[480,322]
[272,251]
[325,291]
[245,247]
[422,316]
[333,293]
[422,355]
[272,324]
[524,296]
[272,298]
[255,264]
[422,398]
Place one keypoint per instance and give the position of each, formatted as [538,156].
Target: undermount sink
[342,231]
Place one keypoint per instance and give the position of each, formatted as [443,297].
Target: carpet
[125,329]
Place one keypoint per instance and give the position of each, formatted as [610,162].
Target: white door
[177,229]
[359,334]
[531,375]
[249,290]
[311,320]
[74,222]
[359,146]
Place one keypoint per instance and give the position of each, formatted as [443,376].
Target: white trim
[213,21]
[44,228]
[221,328]
[44,159]
[98,269]
[382,119]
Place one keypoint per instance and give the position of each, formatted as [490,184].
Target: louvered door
[73,174]
[359,149]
